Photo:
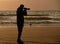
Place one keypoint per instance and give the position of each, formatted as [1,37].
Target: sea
[42,17]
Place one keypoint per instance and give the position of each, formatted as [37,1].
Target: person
[21,12]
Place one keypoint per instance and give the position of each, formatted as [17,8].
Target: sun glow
[33,4]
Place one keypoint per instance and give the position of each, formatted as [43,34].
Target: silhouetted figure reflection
[21,12]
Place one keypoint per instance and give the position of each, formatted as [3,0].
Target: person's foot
[20,42]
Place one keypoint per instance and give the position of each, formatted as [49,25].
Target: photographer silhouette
[21,12]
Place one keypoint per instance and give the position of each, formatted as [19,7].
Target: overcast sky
[33,4]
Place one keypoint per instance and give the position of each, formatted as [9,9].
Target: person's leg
[20,28]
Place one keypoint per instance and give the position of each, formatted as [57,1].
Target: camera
[27,8]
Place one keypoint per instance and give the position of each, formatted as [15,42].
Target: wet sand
[31,35]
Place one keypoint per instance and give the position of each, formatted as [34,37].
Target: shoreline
[31,35]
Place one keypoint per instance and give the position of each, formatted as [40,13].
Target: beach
[31,34]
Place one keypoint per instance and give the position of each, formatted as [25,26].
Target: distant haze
[33,4]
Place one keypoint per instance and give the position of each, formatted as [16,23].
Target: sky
[32,4]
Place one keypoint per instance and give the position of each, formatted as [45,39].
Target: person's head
[21,6]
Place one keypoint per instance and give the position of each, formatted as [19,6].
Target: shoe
[20,42]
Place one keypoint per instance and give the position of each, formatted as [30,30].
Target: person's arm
[25,12]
